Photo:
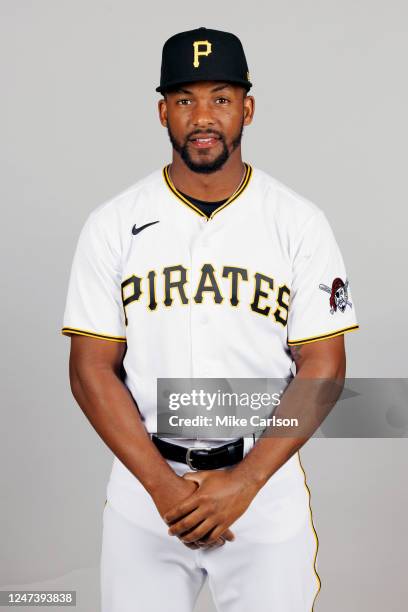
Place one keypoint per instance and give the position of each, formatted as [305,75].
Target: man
[207,269]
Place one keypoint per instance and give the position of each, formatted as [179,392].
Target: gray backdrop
[79,124]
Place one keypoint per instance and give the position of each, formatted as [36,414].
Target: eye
[222,100]
[183,101]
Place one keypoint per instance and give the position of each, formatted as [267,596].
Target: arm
[324,359]
[94,368]
[224,496]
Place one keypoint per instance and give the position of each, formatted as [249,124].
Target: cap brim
[173,84]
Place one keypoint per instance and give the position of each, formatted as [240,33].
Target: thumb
[197,477]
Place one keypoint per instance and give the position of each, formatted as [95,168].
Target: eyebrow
[223,86]
[214,89]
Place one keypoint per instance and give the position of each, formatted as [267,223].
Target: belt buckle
[188,455]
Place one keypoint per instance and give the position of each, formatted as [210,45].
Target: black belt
[200,458]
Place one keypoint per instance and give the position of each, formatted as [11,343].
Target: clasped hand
[220,499]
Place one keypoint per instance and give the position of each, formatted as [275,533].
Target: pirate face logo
[338,295]
[340,298]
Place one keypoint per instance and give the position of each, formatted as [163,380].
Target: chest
[239,261]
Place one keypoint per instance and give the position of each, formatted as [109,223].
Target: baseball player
[206,268]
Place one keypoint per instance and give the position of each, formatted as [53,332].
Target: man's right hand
[178,490]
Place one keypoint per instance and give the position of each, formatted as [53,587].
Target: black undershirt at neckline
[206,207]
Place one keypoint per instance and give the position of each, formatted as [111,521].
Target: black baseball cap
[203,55]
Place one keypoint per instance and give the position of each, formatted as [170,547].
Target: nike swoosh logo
[136,230]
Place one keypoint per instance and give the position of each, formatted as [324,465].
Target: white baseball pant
[270,567]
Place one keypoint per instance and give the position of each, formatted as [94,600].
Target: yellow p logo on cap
[198,51]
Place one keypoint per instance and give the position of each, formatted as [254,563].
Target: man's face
[205,122]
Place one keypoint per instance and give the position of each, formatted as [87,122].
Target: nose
[201,115]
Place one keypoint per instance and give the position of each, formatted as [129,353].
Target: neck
[216,186]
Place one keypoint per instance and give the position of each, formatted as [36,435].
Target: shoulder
[125,200]
[113,219]
[108,224]
[293,219]
[285,202]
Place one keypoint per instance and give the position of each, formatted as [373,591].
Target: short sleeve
[321,304]
[93,304]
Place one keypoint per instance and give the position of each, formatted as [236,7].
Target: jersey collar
[241,188]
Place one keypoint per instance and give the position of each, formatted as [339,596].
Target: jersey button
[204,319]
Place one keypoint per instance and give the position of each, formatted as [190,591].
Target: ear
[249,109]
[162,107]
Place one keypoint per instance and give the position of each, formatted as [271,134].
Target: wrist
[251,480]
[155,484]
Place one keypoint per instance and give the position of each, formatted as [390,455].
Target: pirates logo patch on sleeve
[338,295]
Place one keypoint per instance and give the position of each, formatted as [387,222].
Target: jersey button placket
[200,315]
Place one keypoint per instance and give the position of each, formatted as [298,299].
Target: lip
[204,142]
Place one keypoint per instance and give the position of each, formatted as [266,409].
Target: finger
[220,542]
[203,544]
[199,532]
[192,545]
[181,509]
[217,532]
[228,535]
[187,523]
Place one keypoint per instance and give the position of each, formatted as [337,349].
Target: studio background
[79,124]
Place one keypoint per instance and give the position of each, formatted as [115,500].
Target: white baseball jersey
[198,297]
[192,296]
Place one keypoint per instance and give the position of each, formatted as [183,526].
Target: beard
[205,167]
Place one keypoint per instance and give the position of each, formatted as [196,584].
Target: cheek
[233,118]
[178,123]
[235,124]
[231,114]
